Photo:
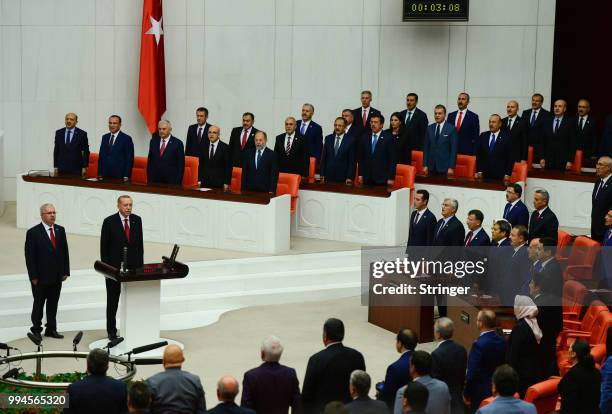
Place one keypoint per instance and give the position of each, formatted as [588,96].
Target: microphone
[37,340]
[148,361]
[11,373]
[150,347]
[77,339]
[4,346]
[124,261]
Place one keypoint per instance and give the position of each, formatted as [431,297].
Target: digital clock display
[455,10]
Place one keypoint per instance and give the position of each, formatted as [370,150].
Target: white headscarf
[525,308]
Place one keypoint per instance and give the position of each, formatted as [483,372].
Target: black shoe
[36,335]
[54,334]
[112,337]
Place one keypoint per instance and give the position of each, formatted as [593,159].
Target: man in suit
[215,166]
[338,158]
[500,233]
[377,160]
[543,222]
[440,148]
[197,134]
[260,167]
[586,131]
[505,385]
[497,258]
[291,149]
[543,250]
[166,160]
[139,398]
[415,121]
[415,398]
[476,235]
[311,131]
[271,375]
[71,148]
[175,390]
[537,120]
[398,373]
[119,231]
[328,371]
[422,221]
[559,147]
[517,127]
[48,263]
[515,211]
[242,139]
[601,200]
[363,115]
[494,158]
[359,387]
[347,114]
[517,269]
[467,124]
[487,353]
[449,362]
[97,393]
[116,156]
[227,390]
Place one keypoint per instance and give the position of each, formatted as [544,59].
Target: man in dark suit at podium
[515,211]
[71,149]
[291,150]
[116,156]
[422,221]
[48,263]
[119,231]
[166,161]
[260,167]
[197,134]
[215,167]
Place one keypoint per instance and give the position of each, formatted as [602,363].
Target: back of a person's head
[408,338]
[97,362]
[421,361]
[334,330]
[335,407]
[227,388]
[271,349]
[360,380]
[416,395]
[444,327]
[506,380]
[488,318]
[139,397]
[582,350]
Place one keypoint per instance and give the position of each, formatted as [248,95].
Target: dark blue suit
[170,167]
[468,132]
[116,162]
[536,131]
[263,178]
[517,275]
[258,382]
[417,127]
[73,157]
[487,353]
[378,166]
[398,375]
[338,166]
[449,361]
[97,394]
[314,137]
[229,408]
[421,233]
[601,200]
[480,239]
[498,162]
[440,154]
[517,214]
[194,145]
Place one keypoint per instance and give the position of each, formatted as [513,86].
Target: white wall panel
[328,13]
[239,12]
[57,12]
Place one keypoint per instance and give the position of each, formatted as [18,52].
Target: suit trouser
[42,294]
[113,291]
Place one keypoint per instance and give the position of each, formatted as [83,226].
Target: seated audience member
[215,166]
[505,385]
[175,390]
[311,131]
[517,128]
[524,344]
[559,146]
[487,353]
[166,159]
[476,236]
[586,131]
[605,404]
[579,388]
[415,398]
[543,222]
[260,167]
[347,115]
[363,115]
[401,138]
[515,211]
[116,156]
[494,159]
[139,398]
[377,155]
[335,407]
[258,383]
[197,134]
[291,150]
[97,393]
[467,125]
[517,268]
[439,397]
[338,160]
[71,148]
[242,138]
[449,362]
[359,388]
[440,148]
[398,373]
[415,121]
[329,371]
[227,390]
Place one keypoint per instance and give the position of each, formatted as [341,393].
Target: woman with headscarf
[524,344]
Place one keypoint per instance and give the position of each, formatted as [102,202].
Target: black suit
[327,376]
[258,382]
[450,234]
[48,265]
[535,131]
[545,225]
[516,271]
[297,161]
[518,133]
[586,137]
[229,408]
[235,144]
[169,167]
[366,405]
[599,208]
[579,390]
[216,171]
[262,178]
[559,146]
[377,166]
[422,232]
[417,127]
[449,362]
[194,146]
[97,394]
[498,162]
[358,128]
[523,354]
[71,158]
[550,320]
[112,241]
[403,142]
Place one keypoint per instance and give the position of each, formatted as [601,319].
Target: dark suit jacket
[71,158]
[236,151]
[402,144]
[113,240]
[599,209]
[518,135]
[398,375]
[193,146]
[498,163]
[314,139]
[358,129]
[44,263]
[216,171]
[298,159]
[559,147]
[554,277]
[452,234]
[518,214]
[487,353]
[229,408]
[366,405]
[440,154]
[535,132]
[97,394]
[546,225]
[579,390]
[516,270]
[271,388]
[481,239]
[468,133]
[378,166]
[265,177]
[524,356]
[340,166]
[170,167]
[422,233]
[449,362]
[417,127]
[116,162]
[587,137]
[550,320]
[327,376]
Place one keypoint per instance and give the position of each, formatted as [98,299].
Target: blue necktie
[556,125]
[303,128]
[374,141]
[492,143]
[258,159]
[607,237]
[538,267]
[437,132]
[507,210]
[533,117]
[68,132]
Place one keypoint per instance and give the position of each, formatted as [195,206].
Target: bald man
[175,390]
[494,159]
[517,128]
[166,160]
[601,198]
[71,149]
[227,390]
[559,146]
[215,168]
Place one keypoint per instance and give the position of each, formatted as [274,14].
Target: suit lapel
[45,236]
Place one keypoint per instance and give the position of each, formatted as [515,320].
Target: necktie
[200,135]
[374,141]
[440,229]
[288,147]
[163,148]
[537,267]
[409,117]
[534,114]
[126,229]
[607,236]
[459,120]
[557,125]
[337,145]
[598,188]
[112,141]
[491,143]
[509,123]
[68,133]
[536,216]
[212,151]
[244,139]
[437,132]
[364,117]
[52,234]
[468,239]
[417,216]
[303,128]
[581,123]
[507,210]
[258,160]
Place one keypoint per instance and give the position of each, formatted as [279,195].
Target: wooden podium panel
[392,318]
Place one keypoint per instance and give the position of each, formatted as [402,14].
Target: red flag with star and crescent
[152,81]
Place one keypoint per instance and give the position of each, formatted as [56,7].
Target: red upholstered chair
[577,164]
[572,299]
[529,158]
[598,352]
[544,395]
[519,173]
[596,335]
[564,241]
[417,161]
[404,176]
[311,169]
[190,177]
[139,170]
[581,259]
[465,167]
[236,183]
[586,324]
[92,167]
[289,184]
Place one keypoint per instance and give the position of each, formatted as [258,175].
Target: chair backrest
[544,395]
[583,252]
[92,167]
[404,176]
[599,353]
[139,170]
[600,327]
[563,241]
[573,296]
[529,158]
[190,176]
[311,169]
[519,173]
[289,184]
[465,167]
[417,161]
[593,311]
[236,184]
[577,165]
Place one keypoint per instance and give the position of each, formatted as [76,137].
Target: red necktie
[126,229]
[459,119]
[163,148]
[364,118]
[52,237]
[288,148]
[244,138]
[469,239]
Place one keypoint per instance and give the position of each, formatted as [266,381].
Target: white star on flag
[155,29]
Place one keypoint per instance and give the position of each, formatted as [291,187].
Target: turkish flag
[152,82]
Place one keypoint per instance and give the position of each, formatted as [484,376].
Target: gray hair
[606,159]
[272,349]
[290,117]
[361,381]
[444,327]
[164,122]
[544,194]
[45,206]
[454,203]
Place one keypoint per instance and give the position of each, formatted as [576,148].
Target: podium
[139,308]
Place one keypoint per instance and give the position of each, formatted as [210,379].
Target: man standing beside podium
[118,231]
